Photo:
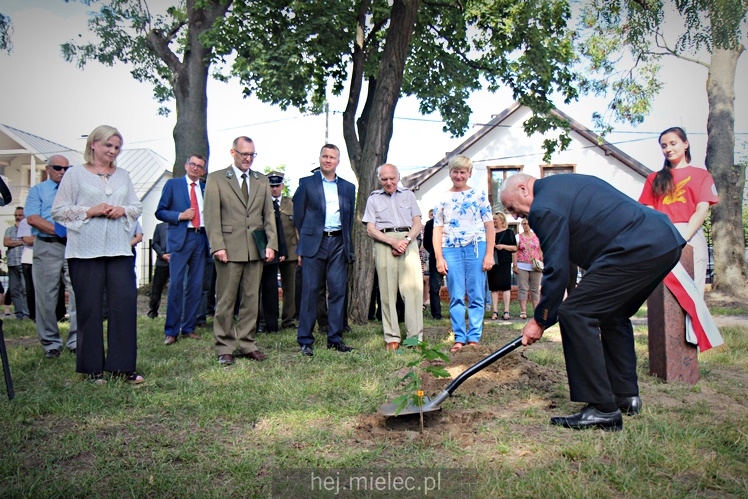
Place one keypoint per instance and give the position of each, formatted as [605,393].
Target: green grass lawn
[195,429]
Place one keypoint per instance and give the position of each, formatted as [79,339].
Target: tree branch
[660,42]
[160,45]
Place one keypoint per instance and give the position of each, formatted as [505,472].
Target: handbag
[495,256]
[537,265]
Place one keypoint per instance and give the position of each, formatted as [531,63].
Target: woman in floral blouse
[462,224]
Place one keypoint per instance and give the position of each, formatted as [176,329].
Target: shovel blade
[390,409]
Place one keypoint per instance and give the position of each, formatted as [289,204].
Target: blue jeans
[465,275]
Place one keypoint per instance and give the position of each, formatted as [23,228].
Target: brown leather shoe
[192,336]
[256,355]
[226,359]
[170,340]
[393,345]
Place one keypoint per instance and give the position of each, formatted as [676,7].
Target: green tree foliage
[624,42]
[292,52]
[166,50]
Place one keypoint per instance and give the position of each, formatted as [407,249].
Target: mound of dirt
[511,373]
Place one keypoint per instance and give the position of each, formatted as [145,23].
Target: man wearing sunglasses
[49,260]
[181,206]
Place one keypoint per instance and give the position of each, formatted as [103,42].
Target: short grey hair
[379,169]
[460,161]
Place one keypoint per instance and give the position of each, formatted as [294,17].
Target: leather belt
[200,230]
[54,239]
[396,229]
[331,233]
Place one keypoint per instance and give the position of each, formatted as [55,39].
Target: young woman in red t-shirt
[684,193]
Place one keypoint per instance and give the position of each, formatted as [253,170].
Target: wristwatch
[408,238]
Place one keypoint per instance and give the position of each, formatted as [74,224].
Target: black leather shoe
[340,347]
[589,417]
[631,406]
[307,350]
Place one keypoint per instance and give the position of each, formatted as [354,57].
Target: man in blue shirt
[49,260]
[324,201]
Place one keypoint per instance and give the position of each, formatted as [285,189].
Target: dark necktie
[245,188]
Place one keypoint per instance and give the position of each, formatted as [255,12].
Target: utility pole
[327,122]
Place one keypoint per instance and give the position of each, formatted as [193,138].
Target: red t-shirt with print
[692,186]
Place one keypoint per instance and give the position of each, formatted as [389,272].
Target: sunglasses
[59,168]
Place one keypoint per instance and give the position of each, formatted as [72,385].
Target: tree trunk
[191,130]
[190,79]
[727,227]
[375,147]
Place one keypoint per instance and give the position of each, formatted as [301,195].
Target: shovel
[432,405]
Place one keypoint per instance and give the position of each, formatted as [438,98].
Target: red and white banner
[701,330]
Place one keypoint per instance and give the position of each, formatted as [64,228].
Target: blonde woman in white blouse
[97,204]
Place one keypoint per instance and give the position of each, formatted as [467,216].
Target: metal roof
[41,148]
[145,167]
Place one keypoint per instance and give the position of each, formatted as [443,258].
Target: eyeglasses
[195,165]
[246,155]
[59,168]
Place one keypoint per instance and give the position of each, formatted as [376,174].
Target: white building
[501,148]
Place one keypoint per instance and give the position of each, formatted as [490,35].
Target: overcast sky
[44,95]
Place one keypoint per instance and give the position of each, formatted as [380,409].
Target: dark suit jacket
[174,200]
[282,248]
[309,214]
[289,229]
[428,237]
[586,221]
[159,244]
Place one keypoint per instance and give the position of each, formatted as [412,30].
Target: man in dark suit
[181,206]
[627,250]
[161,271]
[269,284]
[287,267]
[238,204]
[435,278]
[323,208]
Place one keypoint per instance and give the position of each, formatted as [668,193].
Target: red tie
[195,206]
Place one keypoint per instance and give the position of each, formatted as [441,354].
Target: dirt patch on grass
[504,390]
[23,341]
[722,300]
[512,373]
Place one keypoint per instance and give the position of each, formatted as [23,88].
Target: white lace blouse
[96,237]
